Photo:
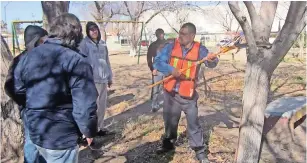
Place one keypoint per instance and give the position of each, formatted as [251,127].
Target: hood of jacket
[90,25]
[32,35]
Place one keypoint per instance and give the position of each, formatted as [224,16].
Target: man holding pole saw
[181,61]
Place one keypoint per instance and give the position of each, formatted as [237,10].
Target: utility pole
[5,19]
[5,12]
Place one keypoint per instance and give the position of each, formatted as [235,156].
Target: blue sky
[29,10]
[32,10]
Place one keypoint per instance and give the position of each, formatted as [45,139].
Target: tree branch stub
[235,9]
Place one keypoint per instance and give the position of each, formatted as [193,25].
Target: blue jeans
[60,156]
[157,97]
[31,154]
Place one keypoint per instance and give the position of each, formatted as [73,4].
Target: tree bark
[301,44]
[103,32]
[52,9]
[255,96]
[11,126]
[262,60]
[134,39]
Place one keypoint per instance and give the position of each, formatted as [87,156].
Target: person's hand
[110,84]
[176,73]
[211,57]
[89,141]
[154,72]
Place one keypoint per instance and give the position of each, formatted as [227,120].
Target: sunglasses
[93,29]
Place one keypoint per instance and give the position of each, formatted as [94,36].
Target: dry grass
[140,135]
[117,109]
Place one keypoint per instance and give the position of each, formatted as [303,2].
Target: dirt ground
[139,130]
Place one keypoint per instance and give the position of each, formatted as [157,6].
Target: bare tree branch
[235,9]
[267,15]
[141,10]
[294,24]
[97,5]
[169,23]
[127,8]
[255,19]
[152,16]
[252,12]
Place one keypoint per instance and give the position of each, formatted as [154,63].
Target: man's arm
[84,96]
[150,54]
[204,53]
[19,92]
[83,48]
[162,59]
[9,85]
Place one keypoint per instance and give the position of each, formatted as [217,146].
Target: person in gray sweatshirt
[97,53]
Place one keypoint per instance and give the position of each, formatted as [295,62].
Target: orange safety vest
[187,81]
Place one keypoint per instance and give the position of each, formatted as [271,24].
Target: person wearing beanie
[33,37]
[97,53]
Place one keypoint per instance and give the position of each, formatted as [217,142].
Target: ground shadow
[146,153]
[115,123]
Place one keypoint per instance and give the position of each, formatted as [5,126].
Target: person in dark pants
[60,92]
[33,37]
[156,75]
[179,92]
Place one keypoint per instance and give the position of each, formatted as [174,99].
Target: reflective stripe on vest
[175,62]
[188,72]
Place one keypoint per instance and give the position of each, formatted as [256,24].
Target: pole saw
[222,50]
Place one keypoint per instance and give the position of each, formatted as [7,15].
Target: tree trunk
[301,43]
[257,77]
[133,51]
[52,9]
[134,40]
[103,32]
[11,126]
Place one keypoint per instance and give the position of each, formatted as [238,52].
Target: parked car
[144,43]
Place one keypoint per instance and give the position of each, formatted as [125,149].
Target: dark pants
[173,105]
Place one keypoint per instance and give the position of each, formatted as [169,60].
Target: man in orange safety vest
[179,92]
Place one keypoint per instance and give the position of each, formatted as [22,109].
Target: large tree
[52,9]
[11,126]
[262,60]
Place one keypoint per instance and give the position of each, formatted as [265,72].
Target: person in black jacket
[156,75]
[33,36]
[60,92]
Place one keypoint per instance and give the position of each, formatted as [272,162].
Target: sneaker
[202,158]
[205,160]
[162,150]
[167,146]
[154,109]
[104,132]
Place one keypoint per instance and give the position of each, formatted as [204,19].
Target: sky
[32,10]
